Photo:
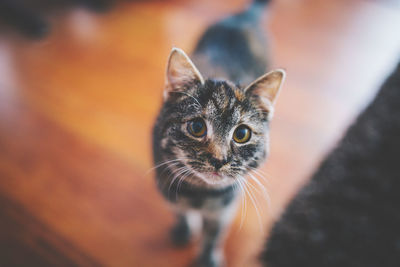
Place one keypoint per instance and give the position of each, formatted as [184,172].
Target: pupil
[241,133]
[197,126]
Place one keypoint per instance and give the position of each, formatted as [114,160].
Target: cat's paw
[214,260]
[180,234]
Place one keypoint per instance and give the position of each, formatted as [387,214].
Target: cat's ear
[267,87]
[180,72]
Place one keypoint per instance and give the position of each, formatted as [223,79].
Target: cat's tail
[235,47]
[252,14]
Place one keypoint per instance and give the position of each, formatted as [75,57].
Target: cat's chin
[214,179]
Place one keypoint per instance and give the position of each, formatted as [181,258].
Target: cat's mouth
[209,175]
[216,174]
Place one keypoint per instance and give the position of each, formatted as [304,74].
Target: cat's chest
[204,202]
[190,198]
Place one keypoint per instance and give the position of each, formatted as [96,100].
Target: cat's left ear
[267,87]
[180,72]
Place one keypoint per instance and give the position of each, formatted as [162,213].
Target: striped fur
[201,175]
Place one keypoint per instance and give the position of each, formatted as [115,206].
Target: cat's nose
[216,163]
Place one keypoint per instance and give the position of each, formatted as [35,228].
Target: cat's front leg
[211,251]
[215,225]
[188,224]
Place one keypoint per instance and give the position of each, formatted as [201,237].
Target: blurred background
[80,86]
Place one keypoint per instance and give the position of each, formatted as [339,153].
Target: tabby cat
[212,130]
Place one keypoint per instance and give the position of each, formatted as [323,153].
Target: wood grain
[76,112]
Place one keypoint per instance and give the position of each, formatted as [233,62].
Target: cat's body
[349,213]
[211,131]
[234,49]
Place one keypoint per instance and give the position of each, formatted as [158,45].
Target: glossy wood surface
[76,112]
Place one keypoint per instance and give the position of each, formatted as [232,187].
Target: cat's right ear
[180,72]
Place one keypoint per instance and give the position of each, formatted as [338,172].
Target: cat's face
[214,131]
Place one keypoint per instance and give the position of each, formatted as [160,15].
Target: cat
[213,129]
[349,213]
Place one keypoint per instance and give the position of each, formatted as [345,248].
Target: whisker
[174,176]
[164,163]
[243,199]
[257,173]
[264,192]
[176,173]
[249,192]
[169,167]
[181,179]
[265,173]
[253,174]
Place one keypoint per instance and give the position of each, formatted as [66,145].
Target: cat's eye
[197,127]
[242,134]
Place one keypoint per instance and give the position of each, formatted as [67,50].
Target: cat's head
[213,130]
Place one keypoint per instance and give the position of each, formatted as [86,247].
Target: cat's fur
[349,213]
[200,175]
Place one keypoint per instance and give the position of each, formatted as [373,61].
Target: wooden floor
[76,112]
